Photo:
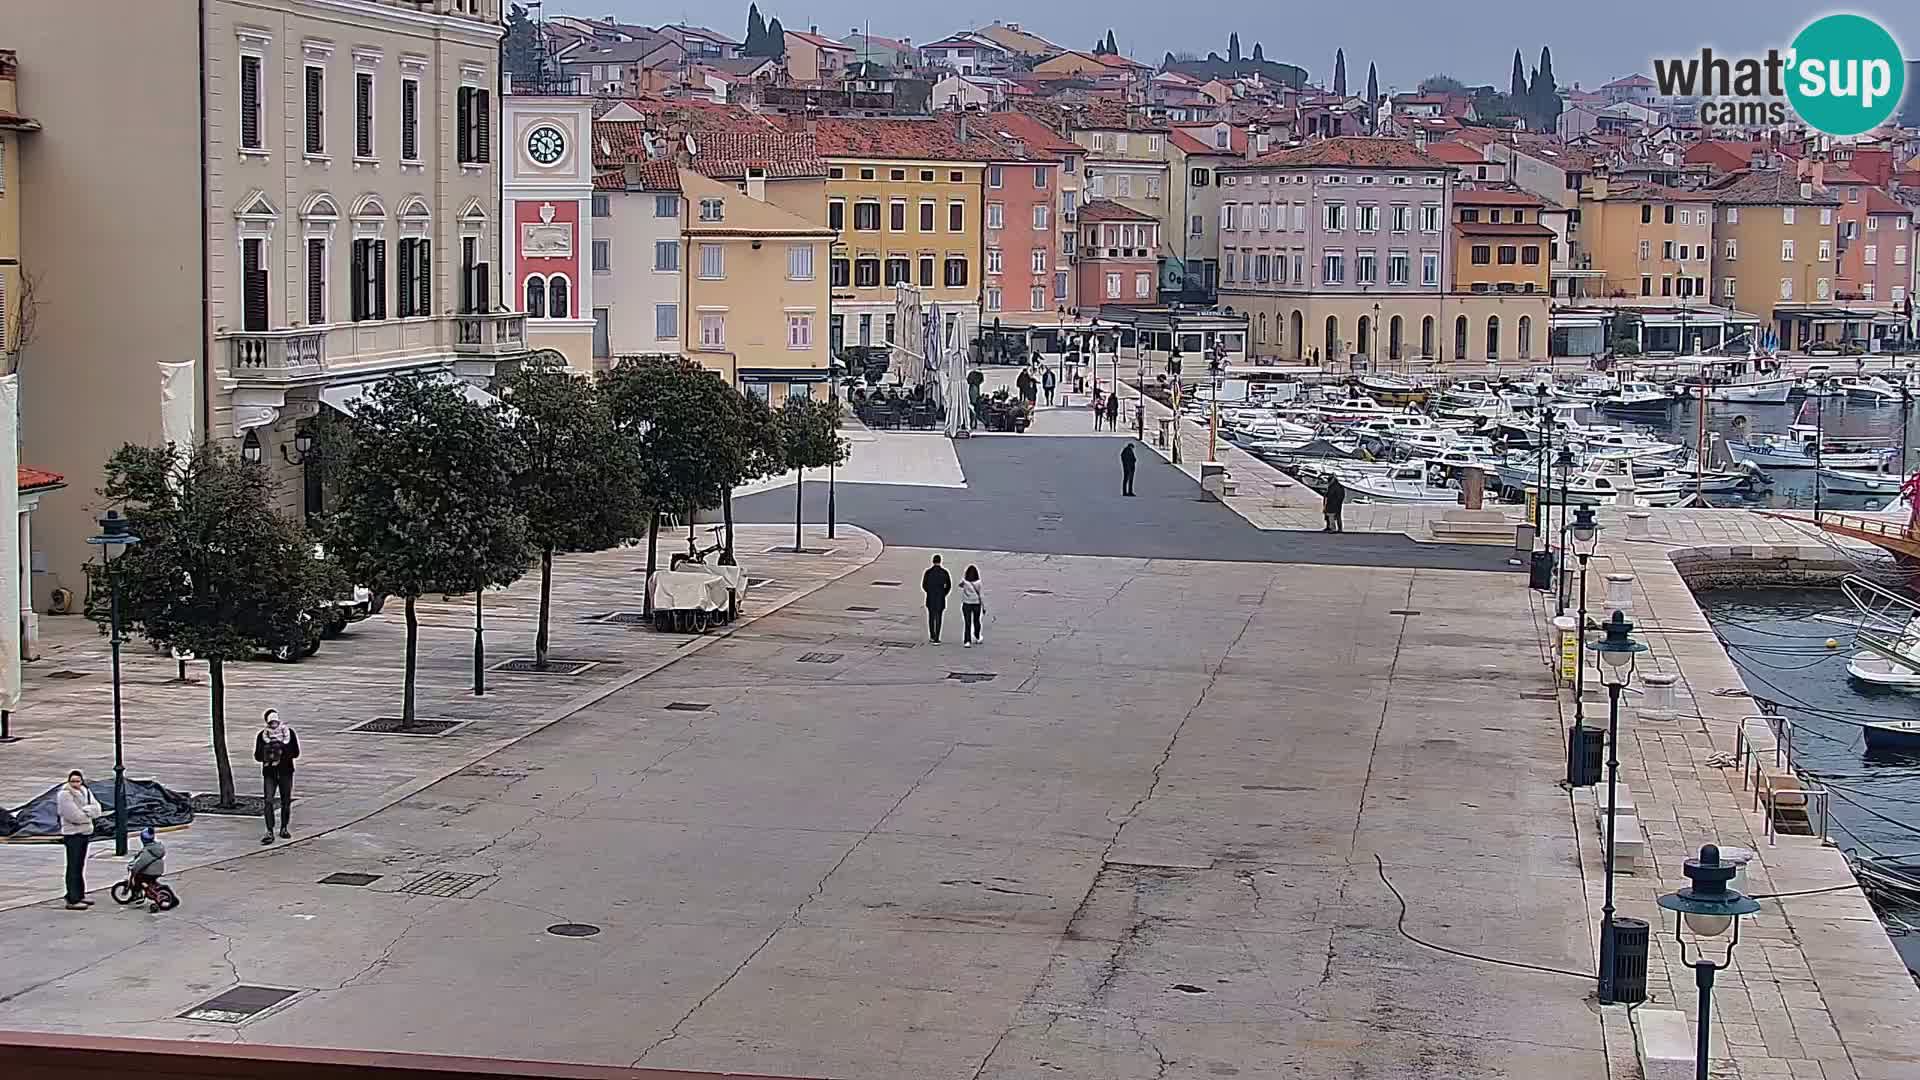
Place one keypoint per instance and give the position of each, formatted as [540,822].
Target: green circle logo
[1846,74]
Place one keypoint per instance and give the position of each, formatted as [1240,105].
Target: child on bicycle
[149,863]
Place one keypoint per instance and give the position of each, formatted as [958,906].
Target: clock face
[546,144]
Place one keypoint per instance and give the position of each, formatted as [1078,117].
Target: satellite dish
[693,148]
[606,148]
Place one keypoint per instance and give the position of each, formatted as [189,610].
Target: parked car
[349,605]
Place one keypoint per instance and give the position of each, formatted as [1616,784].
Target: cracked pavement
[1145,849]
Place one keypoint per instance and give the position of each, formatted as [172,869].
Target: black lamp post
[1709,907]
[1546,443]
[1565,461]
[114,534]
[1586,535]
[1616,651]
[1173,369]
[833,393]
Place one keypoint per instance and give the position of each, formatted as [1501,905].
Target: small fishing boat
[1871,389]
[1410,482]
[1393,389]
[1797,450]
[1637,397]
[1859,482]
[1352,410]
[1898,736]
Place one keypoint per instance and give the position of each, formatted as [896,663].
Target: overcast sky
[1409,39]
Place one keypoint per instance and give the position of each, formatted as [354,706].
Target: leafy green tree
[763,454]
[218,572]
[1111,48]
[810,439]
[520,48]
[1442,84]
[756,32]
[577,483]
[1340,72]
[427,501]
[1543,97]
[776,45]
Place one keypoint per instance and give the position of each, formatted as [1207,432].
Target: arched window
[1460,338]
[1426,336]
[536,297]
[1363,341]
[1493,337]
[1333,338]
[1298,335]
[557,307]
[1526,337]
[1262,338]
[1393,338]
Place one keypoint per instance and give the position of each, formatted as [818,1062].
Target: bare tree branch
[26,315]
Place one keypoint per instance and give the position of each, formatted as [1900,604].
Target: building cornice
[478,32]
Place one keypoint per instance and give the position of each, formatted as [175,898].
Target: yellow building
[1502,263]
[1773,251]
[904,197]
[1650,241]
[756,281]
[12,126]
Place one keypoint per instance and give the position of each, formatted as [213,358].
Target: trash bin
[1160,437]
[1630,946]
[1540,572]
[1585,747]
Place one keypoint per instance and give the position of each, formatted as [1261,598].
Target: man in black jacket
[1336,497]
[1127,464]
[936,584]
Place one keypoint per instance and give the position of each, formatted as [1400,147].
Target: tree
[756,32]
[757,435]
[1543,97]
[1167,62]
[217,572]
[1258,56]
[1518,90]
[810,439]
[1112,49]
[427,500]
[1233,47]
[776,45]
[520,48]
[576,483]
[1442,84]
[1373,99]
[1340,72]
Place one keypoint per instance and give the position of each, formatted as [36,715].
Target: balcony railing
[276,356]
[495,333]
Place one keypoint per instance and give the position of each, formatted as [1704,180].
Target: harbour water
[1897,424]
[1777,638]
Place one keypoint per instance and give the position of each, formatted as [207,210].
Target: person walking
[275,748]
[1127,463]
[1113,410]
[973,605]
[936,583]
[1047,382]
[77,809]
[1336,497]
[1097,405]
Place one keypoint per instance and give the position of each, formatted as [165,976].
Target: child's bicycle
[159,897]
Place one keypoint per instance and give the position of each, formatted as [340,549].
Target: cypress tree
[1233,47]
[1340,72]
[756,32]
[1373,98]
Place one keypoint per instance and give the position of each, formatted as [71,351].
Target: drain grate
[862,607]
[1404,611]
[821,657]
[443,883]
[688,706]
[789,549]
[573,929]
[356,880]
[239,1004]
[419,726]
[972,676]
[527,665]
[66,674]
[625,618]
[1039,592]
[885,584]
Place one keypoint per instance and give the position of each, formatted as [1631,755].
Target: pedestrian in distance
[1047,383]
[77,809]
[1127,463]
[149,864]
[1113,411]
[275,748]
[1336,497]
[1097,406]
[973,606]
[936,583]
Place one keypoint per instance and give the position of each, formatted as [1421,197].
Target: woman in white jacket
[77,808]
[973,604]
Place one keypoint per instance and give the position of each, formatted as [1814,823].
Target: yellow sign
[1569,654]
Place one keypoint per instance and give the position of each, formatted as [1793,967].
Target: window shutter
[404,291]
[359,275]
[363,115]
[316,110]
[250,102]
[253,285]
[423,260]
[483,136]
[379,282]
[410,120]
[463,111]
[3,314]
[482,293]
[316,282]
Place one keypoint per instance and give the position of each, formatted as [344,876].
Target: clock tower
[548,206]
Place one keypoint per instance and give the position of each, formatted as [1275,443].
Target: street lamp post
[1565,461]
[1173,369]
[114,534]
[1709,907]
[1586,536]
[1216,361]
[1545,420]
[833,393]
[1616,651]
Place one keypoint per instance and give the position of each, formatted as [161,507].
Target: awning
[345,397]
[1567,322]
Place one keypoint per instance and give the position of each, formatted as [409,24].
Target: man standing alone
[1127,462]
[1335,498]
[936,584]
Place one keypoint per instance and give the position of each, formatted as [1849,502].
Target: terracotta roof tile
[1108,210]
[1014,124]
[1454,152]
[1635,191]
[1768,187]
[783,155]
[1494,197]
[1353,152]
[819,42]
[930,139]
[1501,228]
[30,478]
[1879,202]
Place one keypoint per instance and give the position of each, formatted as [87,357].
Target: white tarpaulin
[949,359]
[689,590]
[346,397]
[10,545]
[177,412]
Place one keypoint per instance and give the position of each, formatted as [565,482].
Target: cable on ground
[1401,925]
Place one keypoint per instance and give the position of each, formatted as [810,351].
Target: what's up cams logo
[1843,75]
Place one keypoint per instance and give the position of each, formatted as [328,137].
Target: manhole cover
[688,706]
[356,880]
[972,676]
[443,883]
[527,665]
[238,1004]
[861,607]
[419,726]
[1404,611]
[625,618]
[66,674]
[820,657]
[886,584]
[573,929]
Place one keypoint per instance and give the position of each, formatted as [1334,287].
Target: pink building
[1119,256]
[1021,197]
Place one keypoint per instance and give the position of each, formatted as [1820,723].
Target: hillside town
[768,551]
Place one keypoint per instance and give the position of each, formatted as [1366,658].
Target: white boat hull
[1876,670]
[1763,393]
[1860,482]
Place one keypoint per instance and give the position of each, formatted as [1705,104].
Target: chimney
[963,124]
[756,183]
[1254,136]
[1820,174]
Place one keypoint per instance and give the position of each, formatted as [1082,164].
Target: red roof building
[1352,152]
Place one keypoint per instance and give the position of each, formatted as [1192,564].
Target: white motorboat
[1641,397]
[1409,482]
[1871,389]
[1876,670]
[1269,427]
[1353,409]
[1602,482]
[1590,390]
[1802,447]
[1860,482]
